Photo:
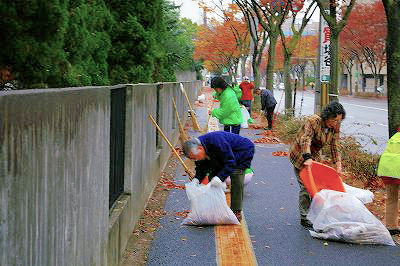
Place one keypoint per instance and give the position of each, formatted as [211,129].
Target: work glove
[215,182]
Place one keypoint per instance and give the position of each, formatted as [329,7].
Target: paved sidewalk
[271,214]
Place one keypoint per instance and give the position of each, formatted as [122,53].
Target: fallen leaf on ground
[268,140]
[280,153]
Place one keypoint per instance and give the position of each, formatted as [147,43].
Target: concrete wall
[54,171]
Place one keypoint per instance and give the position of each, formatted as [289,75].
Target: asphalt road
[366,119]
[271,212]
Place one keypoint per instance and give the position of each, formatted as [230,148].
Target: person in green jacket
[229,113]
[389,170]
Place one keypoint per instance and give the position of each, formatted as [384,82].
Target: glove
[215,182]
[195,181]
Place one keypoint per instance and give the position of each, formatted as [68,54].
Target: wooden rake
[195,124]
[182,134]
[191,175]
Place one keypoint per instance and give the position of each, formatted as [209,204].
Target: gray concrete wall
[54,177]
[54,170]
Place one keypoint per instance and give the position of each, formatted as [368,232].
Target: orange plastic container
[320,176]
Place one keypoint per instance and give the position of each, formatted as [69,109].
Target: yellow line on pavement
[233,244]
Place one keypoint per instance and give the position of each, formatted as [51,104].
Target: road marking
[380,109]
[233,244]
[358,105]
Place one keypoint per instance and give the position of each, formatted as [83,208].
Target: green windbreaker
[229,112]
[389,163]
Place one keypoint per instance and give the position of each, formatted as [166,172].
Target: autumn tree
[230,16]
[289,44]
[365,35]
[259,39]
[216,46]
[392,9]
[305,53]
[336,13]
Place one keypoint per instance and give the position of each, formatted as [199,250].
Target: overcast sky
[190,9]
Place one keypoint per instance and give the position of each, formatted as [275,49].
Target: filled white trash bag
[364,195]
[208,204]
[341,216]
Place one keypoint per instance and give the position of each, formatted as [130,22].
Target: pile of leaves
[268,140]
[168,184]
[256,126]
[280,153]
[269,133]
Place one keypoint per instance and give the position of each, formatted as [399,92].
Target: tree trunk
[271,62]
[351,82]
[334,73]
[286,79]
[256,71]
[392,9]
[244,59]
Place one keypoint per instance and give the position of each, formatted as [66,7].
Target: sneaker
[238,215]
[306,223]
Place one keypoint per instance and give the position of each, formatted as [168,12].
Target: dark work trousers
[237,179]
[235,129]
[269,114]
[304,197]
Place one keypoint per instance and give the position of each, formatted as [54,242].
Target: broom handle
[182,131]
[176,114]
[172,147]
[187,99]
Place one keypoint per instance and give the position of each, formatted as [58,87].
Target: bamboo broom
[205,130]
[191,175]
[195,124]
[182,134]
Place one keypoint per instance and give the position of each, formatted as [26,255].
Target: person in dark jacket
[268,104]
[222,154]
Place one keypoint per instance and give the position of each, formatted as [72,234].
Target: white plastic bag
[208,204]
[364,195]
[246,117]
[341,216]
[201,98]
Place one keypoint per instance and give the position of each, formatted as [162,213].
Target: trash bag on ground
[248,175]
[208,204]
[246,117]
[364,195]
[341,216]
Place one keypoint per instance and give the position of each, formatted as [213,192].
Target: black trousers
[235,129]
[269,113]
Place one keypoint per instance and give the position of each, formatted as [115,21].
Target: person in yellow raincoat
[389,170]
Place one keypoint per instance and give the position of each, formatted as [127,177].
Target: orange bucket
[320,176]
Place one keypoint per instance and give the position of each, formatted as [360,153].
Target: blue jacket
[267,99]
[226,152]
